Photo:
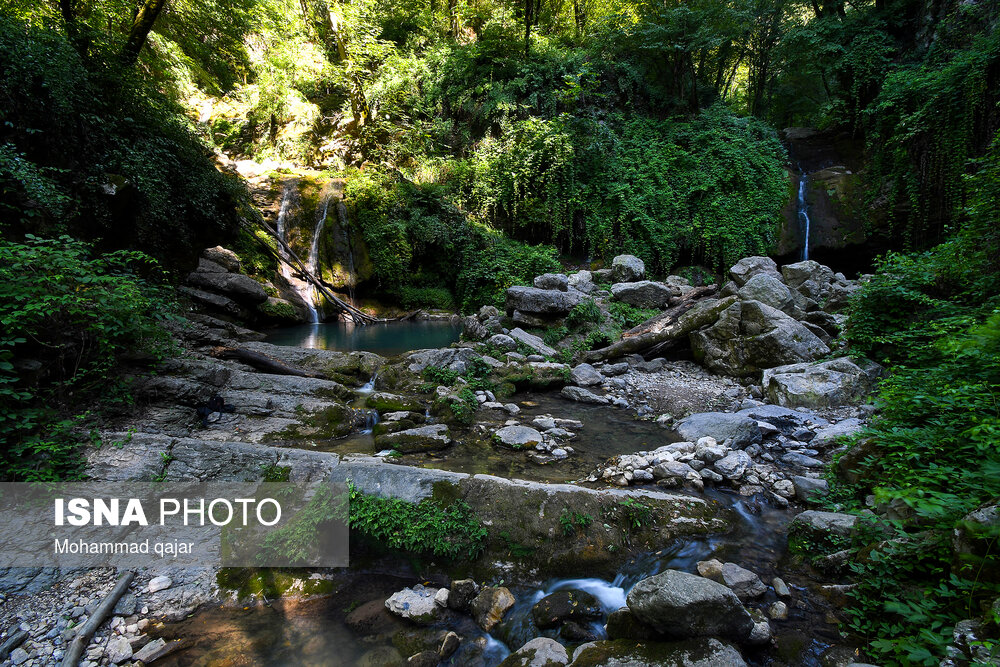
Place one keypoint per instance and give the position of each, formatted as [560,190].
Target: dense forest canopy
[483,143]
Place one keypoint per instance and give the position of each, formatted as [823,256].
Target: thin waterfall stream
[803,214]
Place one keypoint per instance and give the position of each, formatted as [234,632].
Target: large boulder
[224,257]
[742,581]
[768,289]
[645,293]
[556,281]
[840,381]
[490,605]
[798,274]
[541,302]
[632,653]
[681,605]
[453,359]
[236,286]
[532,341]
[748,267]
[750,336]
[425,438]
[518,437]
[822,527]
[583,281]
[585,375]
[415,604]
[722,426]
[581,395]
[627,269]
[562,606]
[539,652]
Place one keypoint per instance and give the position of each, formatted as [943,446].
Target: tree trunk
[453,18]
[141,25]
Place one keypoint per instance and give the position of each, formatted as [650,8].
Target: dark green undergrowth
[931,453]
[68,316]
[428,528]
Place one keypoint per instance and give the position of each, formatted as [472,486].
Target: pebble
[159,583]
[781,588]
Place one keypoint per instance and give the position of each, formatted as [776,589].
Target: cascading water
[313,262]
[803,211]
[288,201]
[344,222]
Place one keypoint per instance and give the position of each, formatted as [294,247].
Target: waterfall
[312,263]
[803,211]
[344,222]
[304,288]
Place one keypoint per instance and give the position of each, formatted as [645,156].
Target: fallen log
[661,321]
[704,313]
[76,648]
[12,643]
[263,363]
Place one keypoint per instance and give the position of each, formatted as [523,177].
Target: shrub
[68,316]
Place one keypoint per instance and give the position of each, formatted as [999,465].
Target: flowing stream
[803,214]
[289,201]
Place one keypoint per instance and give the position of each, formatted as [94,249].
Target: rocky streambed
[636,506]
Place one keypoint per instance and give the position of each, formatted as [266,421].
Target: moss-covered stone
[385,402]
[251,583]
[631,653]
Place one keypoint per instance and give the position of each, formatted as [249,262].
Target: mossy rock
[279,310]
[251,583]
[334,422]
[384,428]
[386,402]
[701,652]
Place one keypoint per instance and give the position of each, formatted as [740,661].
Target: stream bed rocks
[714,434]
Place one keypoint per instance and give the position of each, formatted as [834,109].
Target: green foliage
[67,317]
[629,316]
[934,317]
[99,153]
[423,529]
[440,376]
[584,313]
[571,522]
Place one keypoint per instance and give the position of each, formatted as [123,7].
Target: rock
[532,341]
[449,645]
[797,459]
[682,605]
[126,605]
[577,632]
[733,465]
[381,656]
[426,438]
[581,395]
[372,618]
[672,469]
[553,281]
[423,659]
[623,624]
[473,329]
[118,650]
[781,588]
[150,651]
[831,383]
[441,597]
[627,269]
[768,289]
[415,604]
[761,633]
[539,652]
[585,375]
[561,606]
[721,426]
[541,302]
[821,526]
[453,359]
[795,275]
[159,584]
[974,542]
[223,257]
[518,437]
[744,583]
[828,435]
[503,341]
[18,656]
[748,267]
[237,286]
[631,653]
[645,293]
[750,336]
[208,266]
[583,281]
[614,370]
[490,605]
[461,594]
